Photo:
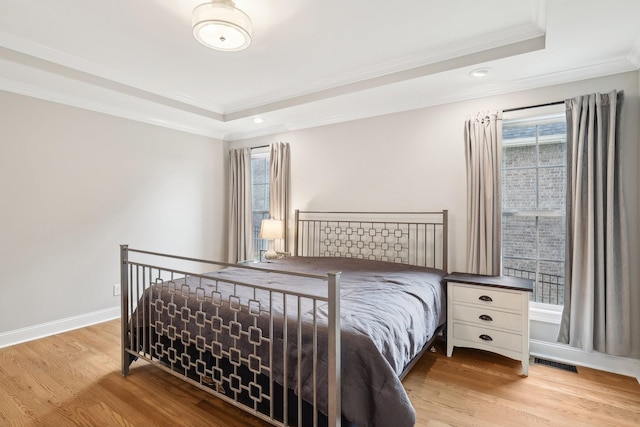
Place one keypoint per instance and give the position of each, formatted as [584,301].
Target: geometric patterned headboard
[416,238]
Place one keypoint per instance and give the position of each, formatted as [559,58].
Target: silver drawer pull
[485,337]
[486,317]
[485,298]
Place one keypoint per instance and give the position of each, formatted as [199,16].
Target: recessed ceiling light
[479,72]
[258,120]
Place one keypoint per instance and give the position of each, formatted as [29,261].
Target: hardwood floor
[74,379]
[482,389]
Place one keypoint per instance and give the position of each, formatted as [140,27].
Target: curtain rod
[261,146]
[533,106]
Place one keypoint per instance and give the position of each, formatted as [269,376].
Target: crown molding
[615,66]
[53,60]
[87,103]
[390,106]
[474,57]
[530,35]
[634,54]
[188,117]
[511,41]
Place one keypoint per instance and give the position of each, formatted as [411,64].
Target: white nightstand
[489,313]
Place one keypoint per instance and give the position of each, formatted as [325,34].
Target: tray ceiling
[310,62]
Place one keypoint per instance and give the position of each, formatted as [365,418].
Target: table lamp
[271,229]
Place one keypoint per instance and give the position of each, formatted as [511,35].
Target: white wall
[75,184]
[415,161]
[407,161]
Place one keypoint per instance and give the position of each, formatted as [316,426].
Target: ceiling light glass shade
[219,25]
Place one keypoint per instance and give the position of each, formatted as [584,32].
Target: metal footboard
[241,342]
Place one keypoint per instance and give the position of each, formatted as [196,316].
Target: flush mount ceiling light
[220,25]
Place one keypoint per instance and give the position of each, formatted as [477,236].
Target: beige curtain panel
[483,150]
[240,221]
[596,314]
[280,189]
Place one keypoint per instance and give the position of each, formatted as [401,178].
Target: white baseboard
[57,326]
[574,356]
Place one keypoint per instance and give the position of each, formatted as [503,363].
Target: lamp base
[271,252]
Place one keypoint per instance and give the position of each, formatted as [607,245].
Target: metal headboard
[416,238]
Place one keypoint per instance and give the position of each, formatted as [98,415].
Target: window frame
[538,118]
[259,245]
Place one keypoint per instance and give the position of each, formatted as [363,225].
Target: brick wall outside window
[533,200]
[259,198]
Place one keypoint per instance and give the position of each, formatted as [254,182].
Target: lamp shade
[220,25]
[271,229]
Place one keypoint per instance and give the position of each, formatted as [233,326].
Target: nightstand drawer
[488,337]
[485,296]
[485,317]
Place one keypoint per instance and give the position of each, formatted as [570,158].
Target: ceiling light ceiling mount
[221,26]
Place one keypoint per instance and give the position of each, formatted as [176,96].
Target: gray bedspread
[388,313]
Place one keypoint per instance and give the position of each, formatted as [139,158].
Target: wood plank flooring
[73,379]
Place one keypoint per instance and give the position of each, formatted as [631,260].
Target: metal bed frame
[151,325]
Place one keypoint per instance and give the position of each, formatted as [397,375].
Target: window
[260,196]
[533,203]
